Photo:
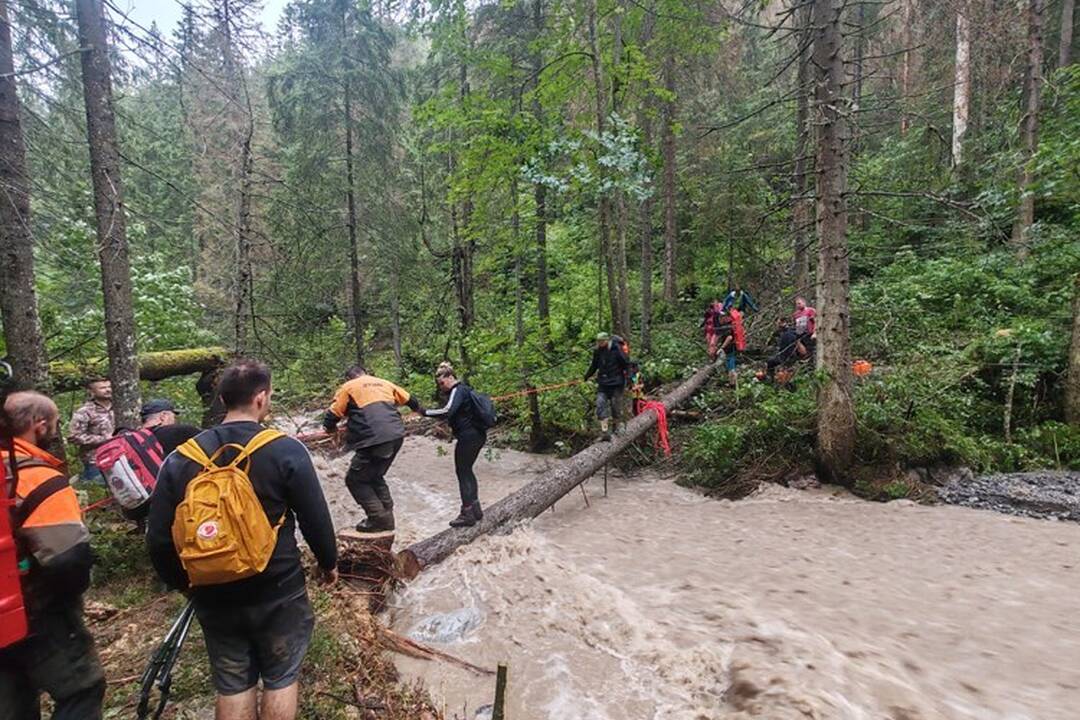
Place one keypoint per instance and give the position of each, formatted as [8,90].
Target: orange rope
[533,391]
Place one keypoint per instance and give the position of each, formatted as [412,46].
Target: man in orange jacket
[58,655]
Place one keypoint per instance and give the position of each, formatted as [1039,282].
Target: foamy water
[657,603]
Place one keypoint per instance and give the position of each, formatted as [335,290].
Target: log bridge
[536,497]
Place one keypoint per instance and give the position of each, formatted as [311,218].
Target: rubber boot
[605,433]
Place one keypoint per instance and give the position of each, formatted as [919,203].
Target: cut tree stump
[539,495]
[366,563]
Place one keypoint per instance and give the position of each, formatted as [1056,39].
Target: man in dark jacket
[609,364]
[257,627]
[373,428]
[58,656]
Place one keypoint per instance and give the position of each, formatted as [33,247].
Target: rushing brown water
[658,603]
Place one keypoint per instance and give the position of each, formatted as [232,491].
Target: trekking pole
[159,670]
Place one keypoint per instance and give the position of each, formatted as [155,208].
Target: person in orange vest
[58,656]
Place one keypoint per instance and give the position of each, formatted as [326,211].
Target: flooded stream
[658,603]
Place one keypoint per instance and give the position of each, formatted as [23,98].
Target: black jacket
[459,412]
[285,482]
[609,364]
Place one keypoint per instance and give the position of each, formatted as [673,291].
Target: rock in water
[447,628]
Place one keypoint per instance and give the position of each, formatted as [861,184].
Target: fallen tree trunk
[152,366]
[537,496]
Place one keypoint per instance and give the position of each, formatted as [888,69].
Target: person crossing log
[534,498]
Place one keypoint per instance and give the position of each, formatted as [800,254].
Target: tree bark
[1065,40]
[536,440]
[1029,125]
[907,17]
[621,309]
[152,366]
[244,270]
[1072,386]
[667,142]
[961,82]
[395,323]
[109,209]
[543,293]
[539,495]
[802,214]
[243,300]
[18,299]
[604,204]
[646,230]
[356,293]
[836,416]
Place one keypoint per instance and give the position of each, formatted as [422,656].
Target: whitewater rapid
[657,603]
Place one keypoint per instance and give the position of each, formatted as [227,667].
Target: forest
[493,183]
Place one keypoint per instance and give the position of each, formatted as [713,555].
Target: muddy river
[657,603]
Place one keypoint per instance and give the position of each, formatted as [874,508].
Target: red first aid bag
[130,463]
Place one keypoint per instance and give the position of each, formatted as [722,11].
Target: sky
[166,13]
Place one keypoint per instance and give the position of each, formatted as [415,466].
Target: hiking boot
[382,522]
[469,516]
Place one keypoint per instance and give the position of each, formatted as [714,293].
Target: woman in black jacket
[469,431]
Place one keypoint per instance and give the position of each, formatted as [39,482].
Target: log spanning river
[658,603]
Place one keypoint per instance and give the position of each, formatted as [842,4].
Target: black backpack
[486,414]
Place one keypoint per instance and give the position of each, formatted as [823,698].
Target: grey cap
[156,406]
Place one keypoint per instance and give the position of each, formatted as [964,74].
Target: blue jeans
[91,474]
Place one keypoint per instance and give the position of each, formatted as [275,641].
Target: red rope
[533,391]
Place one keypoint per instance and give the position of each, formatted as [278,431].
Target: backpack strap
[193,451]
[263,437]
[37,496]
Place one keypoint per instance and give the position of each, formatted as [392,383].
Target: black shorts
[267,641]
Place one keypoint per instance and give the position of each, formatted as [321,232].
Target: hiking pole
[159,671]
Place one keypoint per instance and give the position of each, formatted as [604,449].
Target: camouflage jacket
[91,425]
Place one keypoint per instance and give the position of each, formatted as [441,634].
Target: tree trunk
[646,230]
[836,416]
[604,204]
[395,324]
[109,209]
[801,215]
[543,294]
[461,262]
[1065,41]
[667,142]
[536,440]
[620,314]
[356,294]
[961,82]
[1072,386]
[18,299]
[152,366]
[244,271]
[1029,126]
[539,495]
[907,17]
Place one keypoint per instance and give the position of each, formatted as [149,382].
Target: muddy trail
[658,603]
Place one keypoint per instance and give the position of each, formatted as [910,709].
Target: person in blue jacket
[739,299]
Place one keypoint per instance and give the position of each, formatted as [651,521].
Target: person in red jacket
[58,655]
[805,321]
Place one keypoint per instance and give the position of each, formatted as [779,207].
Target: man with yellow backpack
[222,528]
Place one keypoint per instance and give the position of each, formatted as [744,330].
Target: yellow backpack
[220,530]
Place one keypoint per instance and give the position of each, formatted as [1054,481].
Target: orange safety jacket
[48,528]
